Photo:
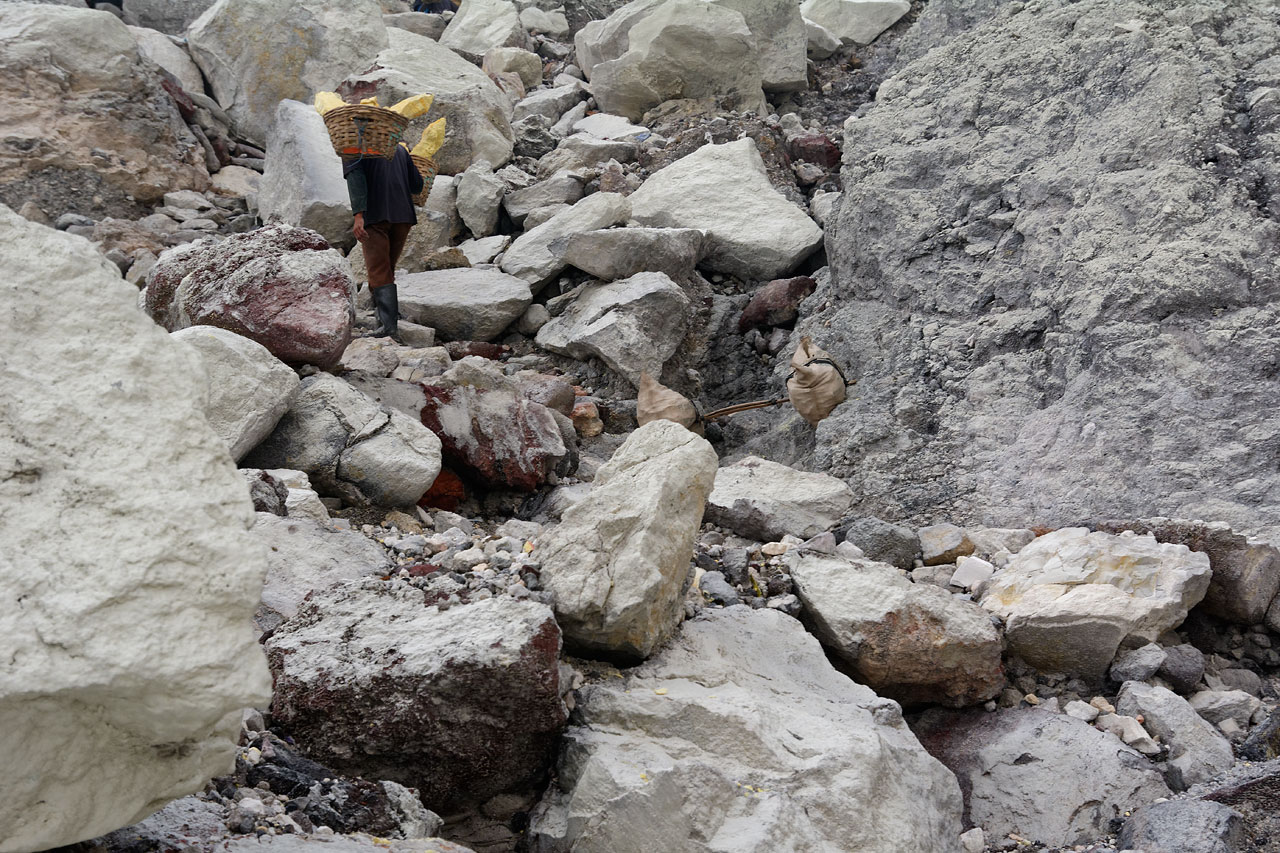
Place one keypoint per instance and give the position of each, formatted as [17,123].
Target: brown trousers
[383,243]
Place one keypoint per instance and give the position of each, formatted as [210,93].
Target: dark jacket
[383,189]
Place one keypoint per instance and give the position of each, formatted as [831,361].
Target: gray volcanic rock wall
[1054,269]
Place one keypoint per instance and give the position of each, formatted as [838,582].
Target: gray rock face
[464,304]
[709,716]
[531,256]
[884,542]
[247,388]
[463,704]
[350,446]
[161,50]
[911,642]
[483,25]
[480,195]
[1041,775]
[1137,665]
[763,500]
[1184,826]
[167,16]
[616,253]
[618,561]
[1197,751]
[1023,337]
[313,45]
[559,189]
[302,181]
[124,672]
[633,325]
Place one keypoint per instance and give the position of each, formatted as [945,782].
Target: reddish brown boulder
[777,303]
[445,493]
[815,148]
[281,286]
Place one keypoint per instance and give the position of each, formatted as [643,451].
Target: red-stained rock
[777,303]
[815,148]
[445,493]
[586,418]
[281,286]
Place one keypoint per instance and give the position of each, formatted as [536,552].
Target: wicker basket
[428,169]
[357,130]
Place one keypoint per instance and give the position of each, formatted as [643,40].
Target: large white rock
[633,325]
[128,569]
[617,562]
[651,51]
[614,253]
[302,182]
[480,194]
[257,53]
[765,501]
[481,25]
[479,115]
[531,256]
[247,388]
[780,33]
[167,16]
[161,50]
[854,21]
[910,642]
[1197,750]
[739,735]
[753,232]
[1070,597]
[464,304]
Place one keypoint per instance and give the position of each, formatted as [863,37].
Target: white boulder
[479,202]
[302,181]
[1197,751]
[161,50]
[481,25]
[724,191]
[532,258]
[765,501]
[613,253]
[464,304]
[854,21]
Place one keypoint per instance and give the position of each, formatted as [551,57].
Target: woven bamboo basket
[358,130]
[428,169]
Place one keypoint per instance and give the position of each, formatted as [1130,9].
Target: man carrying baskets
[382,193]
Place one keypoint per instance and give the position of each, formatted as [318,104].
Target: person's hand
[357,227]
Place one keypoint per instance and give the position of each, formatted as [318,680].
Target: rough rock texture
[1246,574]
[1044,776]
[1197,750]
[652,51]
[124,669]
[480,194]
[304,555]
[247,388]
[302,182]
[633,325]
[350,446]
[1070,597]
[763,500]
[854,21]
[280,286]
[911,642]
[776,303]
[617,562]
[342,844]
[479,115]
[464,304]
[463,704]
[489,431]
[724,191]
[482,25]
[615,253]
[1184,826]
[749,740]
[1067,312]
[87,125]
[313,44]
[161,50]
[532,256]
[781,38]
[167,16]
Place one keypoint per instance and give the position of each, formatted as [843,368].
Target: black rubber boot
[386,304]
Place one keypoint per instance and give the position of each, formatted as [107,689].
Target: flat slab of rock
[483,25]
[618,560]
[532,258]
[911,642]
[1184,826]
[1038,774]
[724,191]
[131,632]
[615,253]
[1197,750]
[1070,597]
[854,21]
[742,698]
[464,304]
[765,501]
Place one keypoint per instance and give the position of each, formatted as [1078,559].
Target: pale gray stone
[1137,665]
[484,250]
[820,43]
[531,257]
[1184,826]
[465,304]
[478,27]
[615,253]
[517,60]
[551,104]
[1197,752]
[422,23]
[854,21]
[1218,705]
[558,189]
[168,16]
[302,182]
[765,501]
[480,194]
[161,50]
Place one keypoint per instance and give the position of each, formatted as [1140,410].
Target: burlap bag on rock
[657,402]
[815,385]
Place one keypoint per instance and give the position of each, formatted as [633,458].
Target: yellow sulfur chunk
[326,101]
[415,106]
[432,139]
[370,102]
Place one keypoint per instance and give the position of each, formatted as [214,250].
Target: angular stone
[161,50]
[943,543]
[558,189]
[1183,667]
[247,388]
[129,573]
[1038,774]
[480,194]
[427,24]
[480,26]
[302,182]
[911,642]
[1071,596]
[765,501]
[884,542]
[550,104]
[706,718]
[821,43]
[633,325]
[724,191]
[776,303]
[617,562]
[1184,826]
[583,153]
[1197,752]
[1137,665]
[462,704]
[167,16]
[854,21]
[971,572]
[313,44]
[1218,705]
[526,63]
[464,304]
[531,257]
[615,253]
